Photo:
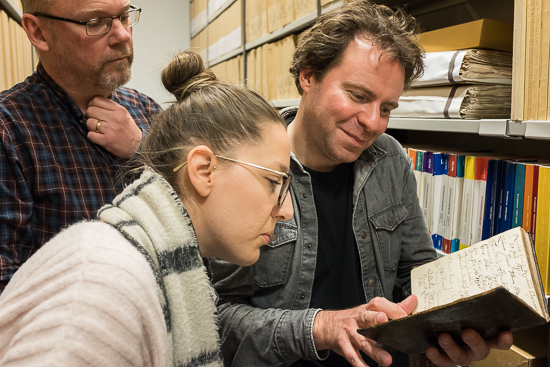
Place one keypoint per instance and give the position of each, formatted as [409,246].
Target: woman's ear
[35,31]
[200,167]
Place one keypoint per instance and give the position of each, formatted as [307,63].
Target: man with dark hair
[67,129]
[358,229]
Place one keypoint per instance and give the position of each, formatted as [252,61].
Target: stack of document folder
[464,84]
[456,102]
[466,66]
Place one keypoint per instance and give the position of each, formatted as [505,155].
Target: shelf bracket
[500,129]
[12,10]
[537,130]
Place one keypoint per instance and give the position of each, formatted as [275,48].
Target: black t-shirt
[338,283]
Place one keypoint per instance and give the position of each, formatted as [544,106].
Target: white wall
[162,31]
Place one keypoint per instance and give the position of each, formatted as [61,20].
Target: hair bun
[186,73]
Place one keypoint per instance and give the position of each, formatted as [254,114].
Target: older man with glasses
[67,129]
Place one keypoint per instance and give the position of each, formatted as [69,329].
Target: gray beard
[118,78]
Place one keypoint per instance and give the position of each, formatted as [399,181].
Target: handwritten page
[498,261]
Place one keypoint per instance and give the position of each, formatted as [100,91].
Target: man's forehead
[89,6]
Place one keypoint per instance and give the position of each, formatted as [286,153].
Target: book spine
[499,220]
[418,175]
[478,200]
[450,169]
[543,226]
[490,199]
[519,190]
[508,194]
[412,155]
[467,204]
[437,179]
[457,209]
[534,203]
[427,173]
[528,197]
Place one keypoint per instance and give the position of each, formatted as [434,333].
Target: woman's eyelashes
[273,183]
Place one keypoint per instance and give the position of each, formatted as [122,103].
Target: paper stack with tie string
[461,84]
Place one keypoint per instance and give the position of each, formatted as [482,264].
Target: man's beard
[121,74]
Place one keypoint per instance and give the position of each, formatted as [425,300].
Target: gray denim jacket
[263,309]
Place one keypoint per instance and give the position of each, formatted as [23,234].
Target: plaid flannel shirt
[51,174]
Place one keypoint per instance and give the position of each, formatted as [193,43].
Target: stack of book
[472,83]
[470,197]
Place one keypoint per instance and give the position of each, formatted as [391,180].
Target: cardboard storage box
[484,33]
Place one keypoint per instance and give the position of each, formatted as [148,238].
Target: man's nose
[120,33]
[369,116]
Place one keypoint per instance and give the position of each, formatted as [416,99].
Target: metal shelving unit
[12,10]
[274,36]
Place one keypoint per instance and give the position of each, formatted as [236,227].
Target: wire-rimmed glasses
[284,186]
[103,25]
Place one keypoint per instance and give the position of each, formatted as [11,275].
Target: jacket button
[303,296]
[309,245]
[305,196]
[371,282]
[388,222]
[273,237]
[363,235]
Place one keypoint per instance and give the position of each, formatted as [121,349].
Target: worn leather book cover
[488,313]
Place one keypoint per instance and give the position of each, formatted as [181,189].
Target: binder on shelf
[484,33]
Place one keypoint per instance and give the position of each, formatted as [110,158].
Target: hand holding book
[489,287]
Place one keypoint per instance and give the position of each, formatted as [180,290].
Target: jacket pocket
[386,225]
[273,267]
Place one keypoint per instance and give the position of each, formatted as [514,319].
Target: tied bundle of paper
[466,66]
[456,102]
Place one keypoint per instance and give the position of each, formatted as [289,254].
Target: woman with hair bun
[133,287]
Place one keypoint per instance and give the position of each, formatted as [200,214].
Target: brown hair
[219,115]
[33,6]
[321,47]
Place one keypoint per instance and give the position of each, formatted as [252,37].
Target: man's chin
[115,79]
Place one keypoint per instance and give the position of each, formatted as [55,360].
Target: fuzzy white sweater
[86,298]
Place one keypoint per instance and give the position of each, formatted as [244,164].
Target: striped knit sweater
[138,295]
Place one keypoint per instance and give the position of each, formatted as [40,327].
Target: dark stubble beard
[113,79]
